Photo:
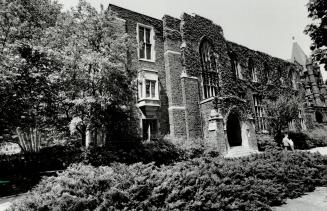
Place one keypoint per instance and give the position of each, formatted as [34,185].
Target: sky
[263,25]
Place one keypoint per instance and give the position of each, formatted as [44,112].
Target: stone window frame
[147,75]
[151,39]
[239,68]
[253,70]
[302,121]
[209,66]
[259,112]
[150,89]
[236,66]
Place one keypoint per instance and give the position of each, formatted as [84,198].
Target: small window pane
[153,89]
[147,88]
[141,34]
[140,90]
[142,51]
[147,35]
[148,51]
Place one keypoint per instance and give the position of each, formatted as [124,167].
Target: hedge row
[24,171]
[60,157]
[252,183]
[302,141]
[52,158]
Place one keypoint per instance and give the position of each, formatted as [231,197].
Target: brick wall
[183,110]
[132,19]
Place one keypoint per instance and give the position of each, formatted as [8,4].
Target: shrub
[193,148]
[311,139]
[318,135]
[157,151]
[301,140]
[50,158]
[23,170]
[251,183]
[266,142]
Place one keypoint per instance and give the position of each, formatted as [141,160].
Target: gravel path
[5,202]
[313,201]
[321,150]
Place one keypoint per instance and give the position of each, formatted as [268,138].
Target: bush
[25,170]
[318,136]
[252,183]
[314,138]
[50,158]
[301,140]
[157,151]
[193,148]
[266,142]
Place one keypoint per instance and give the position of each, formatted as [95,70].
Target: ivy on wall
[273,73]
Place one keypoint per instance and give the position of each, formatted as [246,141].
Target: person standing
[286,142]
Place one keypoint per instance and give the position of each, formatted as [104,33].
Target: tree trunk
[88,138]
[83,134]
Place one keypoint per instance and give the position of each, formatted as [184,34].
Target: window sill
[148,102]
[147,98]
[147,60]
[206,100]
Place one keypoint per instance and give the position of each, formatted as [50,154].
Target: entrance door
[149,128]
[234,130]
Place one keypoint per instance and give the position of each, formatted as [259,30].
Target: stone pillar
[190,96]
[251,135]
[176,109]
[216,137]
[173,69]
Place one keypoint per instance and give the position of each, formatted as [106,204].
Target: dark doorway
[234,130]
[319,117]
[149,127]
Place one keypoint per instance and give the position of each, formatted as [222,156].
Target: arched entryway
[319,117]
[234,130]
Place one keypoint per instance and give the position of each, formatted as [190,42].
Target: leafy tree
[281,111]
[63,68]
[96,78]
[26,89]
[318,29]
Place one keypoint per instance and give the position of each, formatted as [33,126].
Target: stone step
[239,151]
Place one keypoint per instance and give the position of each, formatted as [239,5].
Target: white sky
[264,25]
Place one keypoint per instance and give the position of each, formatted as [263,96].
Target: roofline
[114,5]
[274,57]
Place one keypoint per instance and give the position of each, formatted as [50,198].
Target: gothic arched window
[236,66]
[253,70]
[293,77]
[209,70]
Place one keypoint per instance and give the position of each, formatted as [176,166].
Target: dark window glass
[147,88]
[142,52]
[153,89]
[147,35]
[141,34]
[148,51]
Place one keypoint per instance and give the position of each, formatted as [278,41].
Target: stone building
[315,89]
[192,82]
